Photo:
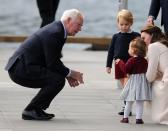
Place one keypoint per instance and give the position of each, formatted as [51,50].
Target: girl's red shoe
[139,121]
[124,120]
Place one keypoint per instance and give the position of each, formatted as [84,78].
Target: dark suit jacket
[41,51]
[155,7]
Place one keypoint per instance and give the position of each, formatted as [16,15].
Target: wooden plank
[11,38]
[90,40]
[81,40]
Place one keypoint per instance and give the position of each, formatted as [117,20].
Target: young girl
[137,87]
[120,44]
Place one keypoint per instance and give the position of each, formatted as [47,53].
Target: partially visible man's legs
[55,6]
[50,83]
[47,10]
[50,87]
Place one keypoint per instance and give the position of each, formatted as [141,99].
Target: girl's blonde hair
[126,15]
[139,47]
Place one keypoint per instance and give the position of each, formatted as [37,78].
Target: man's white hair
[72,13]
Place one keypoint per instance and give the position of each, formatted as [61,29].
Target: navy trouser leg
[50,85]
[47,10]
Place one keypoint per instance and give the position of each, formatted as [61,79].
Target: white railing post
[122,4]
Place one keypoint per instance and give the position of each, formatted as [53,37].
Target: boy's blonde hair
[139,47]
[126,15]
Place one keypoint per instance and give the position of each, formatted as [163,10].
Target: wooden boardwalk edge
[70,39]
[98,43]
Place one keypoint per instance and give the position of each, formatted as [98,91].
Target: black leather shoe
[130,114]
[35,115]
[122,113]
[48,114]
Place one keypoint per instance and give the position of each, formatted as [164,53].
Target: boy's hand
[108,70]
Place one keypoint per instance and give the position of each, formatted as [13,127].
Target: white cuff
[153,18]
[69,73]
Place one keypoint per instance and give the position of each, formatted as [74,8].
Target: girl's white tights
[139,109]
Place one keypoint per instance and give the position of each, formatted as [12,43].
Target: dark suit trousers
[47,10]
[50,85]
[166,30]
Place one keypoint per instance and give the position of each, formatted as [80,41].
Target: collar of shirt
[65,32]
[130,31]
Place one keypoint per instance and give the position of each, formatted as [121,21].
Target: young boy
[118,48]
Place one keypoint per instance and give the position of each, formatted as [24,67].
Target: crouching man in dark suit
[36,64]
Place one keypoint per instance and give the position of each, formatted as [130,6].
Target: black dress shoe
[48,114]
[122,113]
[35,115]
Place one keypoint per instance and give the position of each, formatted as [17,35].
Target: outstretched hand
[72,82]
[75,78]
